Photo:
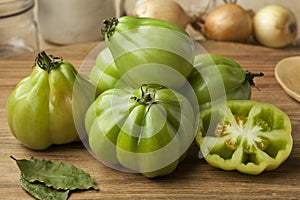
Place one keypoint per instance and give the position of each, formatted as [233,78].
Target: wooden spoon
[287,73]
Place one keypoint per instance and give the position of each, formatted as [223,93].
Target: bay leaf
[42,192]
[58,175]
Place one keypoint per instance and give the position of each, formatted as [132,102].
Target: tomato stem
[109,27]
[250,77]
[13,158]
[147,95]
[46,62]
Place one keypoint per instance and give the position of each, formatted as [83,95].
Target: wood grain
[194,178]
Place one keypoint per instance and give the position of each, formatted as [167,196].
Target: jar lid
[10,8]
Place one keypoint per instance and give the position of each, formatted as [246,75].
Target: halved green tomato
[245,135]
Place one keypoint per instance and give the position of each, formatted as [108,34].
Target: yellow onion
[229,22]
[167,10]
[275,26]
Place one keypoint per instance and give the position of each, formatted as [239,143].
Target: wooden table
[194,178]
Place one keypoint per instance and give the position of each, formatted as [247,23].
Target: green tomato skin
[39,110]
[147,138]
[240,92]
[131,23]
[245,135]
[217,78]
[141,44]
[104,73]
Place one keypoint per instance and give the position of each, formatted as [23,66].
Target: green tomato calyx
[46,62]
[250,76]
[147,95]
[109,27]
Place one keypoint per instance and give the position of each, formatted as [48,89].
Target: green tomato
[40,109]
[146,130]
[104,73]
[245,135]
[217,78]
[147,50]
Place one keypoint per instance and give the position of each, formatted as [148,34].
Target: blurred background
[40,24]
[253,4]
[125,7]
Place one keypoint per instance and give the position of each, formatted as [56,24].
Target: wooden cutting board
[194,178]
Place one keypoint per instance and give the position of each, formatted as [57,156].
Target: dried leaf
[57,175]
[42,192]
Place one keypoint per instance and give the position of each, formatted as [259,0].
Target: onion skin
[275,26]
[167,10]
[229,22]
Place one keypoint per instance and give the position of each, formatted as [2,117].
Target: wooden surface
[194,178]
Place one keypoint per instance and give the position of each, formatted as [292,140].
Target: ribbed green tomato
[40,109]
[149,50]
[218,78]
[104,73]
[146,130]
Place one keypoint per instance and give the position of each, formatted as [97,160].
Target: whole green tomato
[218,78]
[104,73]
[40,109]
[147,50]
[146,130]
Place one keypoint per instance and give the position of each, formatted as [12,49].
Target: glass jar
[18,30]
[73,21]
